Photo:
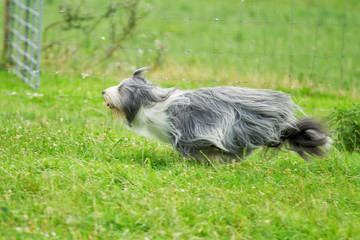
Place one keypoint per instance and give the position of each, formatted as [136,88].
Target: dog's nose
[103,92]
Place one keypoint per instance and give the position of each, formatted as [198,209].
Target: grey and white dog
[218,124]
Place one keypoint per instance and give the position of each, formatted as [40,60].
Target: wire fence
[194,44]
[25,39]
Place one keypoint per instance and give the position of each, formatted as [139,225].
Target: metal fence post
[5,51]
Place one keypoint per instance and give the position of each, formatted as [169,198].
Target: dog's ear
[131,103]
[139,72]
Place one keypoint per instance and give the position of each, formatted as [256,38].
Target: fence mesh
[25,39]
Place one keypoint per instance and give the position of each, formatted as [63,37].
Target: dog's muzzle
[110,105]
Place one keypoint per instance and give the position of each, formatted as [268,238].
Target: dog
[215,124]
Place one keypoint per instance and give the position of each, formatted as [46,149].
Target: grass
[68,171]
[67,182]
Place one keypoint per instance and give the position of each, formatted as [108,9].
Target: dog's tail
[308,138]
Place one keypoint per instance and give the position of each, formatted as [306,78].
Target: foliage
[347,125]
[117,24]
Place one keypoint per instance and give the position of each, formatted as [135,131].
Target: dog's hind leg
[213,155]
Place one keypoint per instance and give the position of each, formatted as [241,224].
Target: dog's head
[126,99]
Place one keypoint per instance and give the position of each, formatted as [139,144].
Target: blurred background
[307,48]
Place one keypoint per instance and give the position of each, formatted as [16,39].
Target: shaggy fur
[218,124]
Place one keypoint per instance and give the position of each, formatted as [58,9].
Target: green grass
[71,181]
[68,171]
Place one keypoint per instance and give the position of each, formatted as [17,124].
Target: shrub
[347,126]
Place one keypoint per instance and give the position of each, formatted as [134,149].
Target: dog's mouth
[110,105]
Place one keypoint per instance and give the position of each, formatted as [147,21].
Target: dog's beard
[118,115]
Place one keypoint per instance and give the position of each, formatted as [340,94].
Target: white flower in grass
[157,43]
[85,75]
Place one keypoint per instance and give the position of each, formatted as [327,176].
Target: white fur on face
[112,98]
[113,101]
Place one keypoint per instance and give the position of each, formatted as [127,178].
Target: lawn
[69,171]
